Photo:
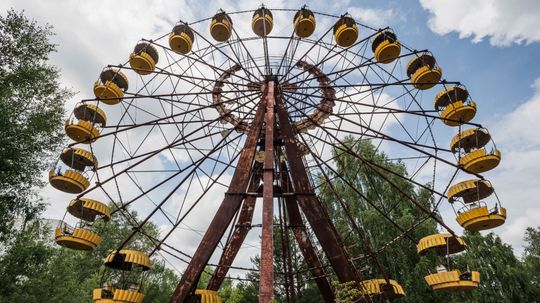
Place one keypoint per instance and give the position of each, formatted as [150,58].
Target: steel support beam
[228,208]
[243,226]
[266,284]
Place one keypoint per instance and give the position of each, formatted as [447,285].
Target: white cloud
[503,22]
[516,179]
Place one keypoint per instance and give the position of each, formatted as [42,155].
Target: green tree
[361,189]
[31,114]
[503,276]
[532,257]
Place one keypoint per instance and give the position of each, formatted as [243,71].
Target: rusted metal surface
[304,243]
[311,206]
[266,284]
[241,230]
[285,253]
[228,208]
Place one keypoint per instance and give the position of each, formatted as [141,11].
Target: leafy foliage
[31,113]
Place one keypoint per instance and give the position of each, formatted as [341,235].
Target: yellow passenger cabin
[79,237]
[72,179]
[470,147]
[446,244]
[91,113]
[144,58]
[454,280]
[69,181]
[81,131]
[304,23]
[476,215]
[454,106]
[345,31]
[221,27]
[479,217]
[262,22]
[111,86]
[181,39]
[78,158]
[386,48]
[424,71]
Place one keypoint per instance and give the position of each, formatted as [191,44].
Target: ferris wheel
[194,129]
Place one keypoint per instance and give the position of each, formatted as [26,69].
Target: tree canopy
[31,113]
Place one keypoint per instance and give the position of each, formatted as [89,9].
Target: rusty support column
[304,243]
[240,232]
[311,206]
[266,284]
[224,215]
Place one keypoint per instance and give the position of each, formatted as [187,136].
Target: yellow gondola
[454,106]
[144,58]
[386,47]
[79,238]
[81,131]
[445,245]
[478,217]
[454,280]
[424,71]
[91,113]
[71,181]
[345,31]
[475,215]
[111,86]
[262,22]
[480,160]
[127,259]
[78,158]
[89,209]
[304,23]
[469,145]
[380,288]
[221,26]
[181,39]
[441,244]
[207,296]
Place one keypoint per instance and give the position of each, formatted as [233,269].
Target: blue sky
[490,46]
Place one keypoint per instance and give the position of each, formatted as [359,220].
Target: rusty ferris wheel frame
[274,115]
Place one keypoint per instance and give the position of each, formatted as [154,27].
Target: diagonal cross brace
[304,243]
[240,232]
[310,204]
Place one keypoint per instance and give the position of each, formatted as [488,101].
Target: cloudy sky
[491,46]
